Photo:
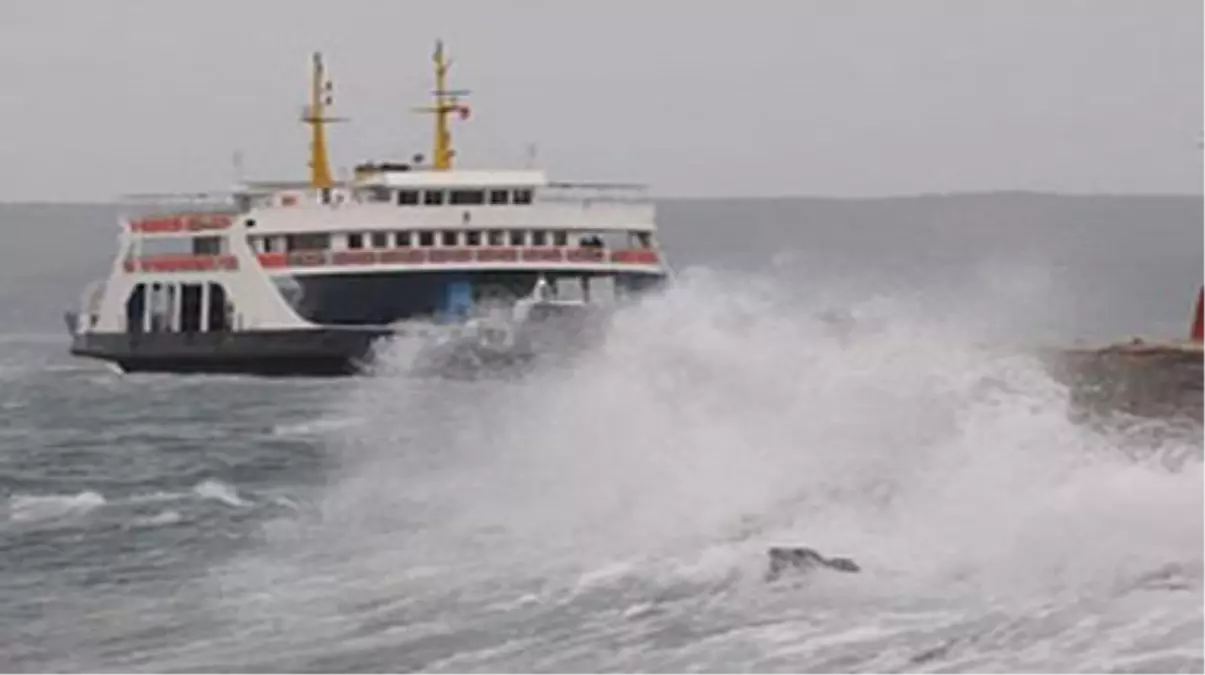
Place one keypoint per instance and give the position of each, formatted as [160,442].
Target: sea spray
[711,422]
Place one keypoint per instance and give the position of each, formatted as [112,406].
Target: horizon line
[762,197]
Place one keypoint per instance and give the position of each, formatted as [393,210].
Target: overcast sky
[716,97]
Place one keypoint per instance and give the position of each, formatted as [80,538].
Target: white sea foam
[27,508]
[220,492]
[720,419]
[161,519]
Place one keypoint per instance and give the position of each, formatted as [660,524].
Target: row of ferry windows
[445,238]
[454,197]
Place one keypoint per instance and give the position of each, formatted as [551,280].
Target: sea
[612,513]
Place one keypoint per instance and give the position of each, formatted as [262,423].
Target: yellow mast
[446,102]
[321,96]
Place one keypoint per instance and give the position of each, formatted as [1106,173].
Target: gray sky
[832,97]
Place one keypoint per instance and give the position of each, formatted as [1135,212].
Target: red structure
[1198,325]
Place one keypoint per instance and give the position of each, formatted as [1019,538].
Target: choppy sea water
[612,514]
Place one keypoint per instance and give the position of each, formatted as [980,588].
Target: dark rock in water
[1160,381]
[1163,380]
[1169,577]
[938,652]
[802,559]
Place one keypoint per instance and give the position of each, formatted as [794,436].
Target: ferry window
[401,239]
[166,246]
[154,300]
[448,238]
[163,301]
[221,311]
[517,237]
[206,245]
[472,238]
[407,197]
[355,240]
[320,241]
[380,239]
[326,195]
[170,300]
[497,237]
[426,238]
[539,238]
[263,244]
[378,194]
[560,238]
[522,197]
[190,308]
[641,240]
[461,197]
[499,197]
[433,197]
[135,309]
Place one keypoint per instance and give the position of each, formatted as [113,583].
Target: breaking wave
[709,405]
[32,508]
[708,425]
[50,508]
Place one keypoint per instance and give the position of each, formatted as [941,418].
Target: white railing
[585,193]
[192,201]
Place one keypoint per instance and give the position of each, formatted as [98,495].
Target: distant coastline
[986,194]
[903,197]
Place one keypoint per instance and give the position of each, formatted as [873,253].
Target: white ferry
[305,278]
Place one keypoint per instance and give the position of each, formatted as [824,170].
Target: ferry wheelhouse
[305,278]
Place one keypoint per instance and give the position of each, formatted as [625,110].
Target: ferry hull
[314,352]
[446,349]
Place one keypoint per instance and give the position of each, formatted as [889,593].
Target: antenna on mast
[447,101]
[314,114]
[237,164]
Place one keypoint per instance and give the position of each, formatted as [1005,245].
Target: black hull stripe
[274,353]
